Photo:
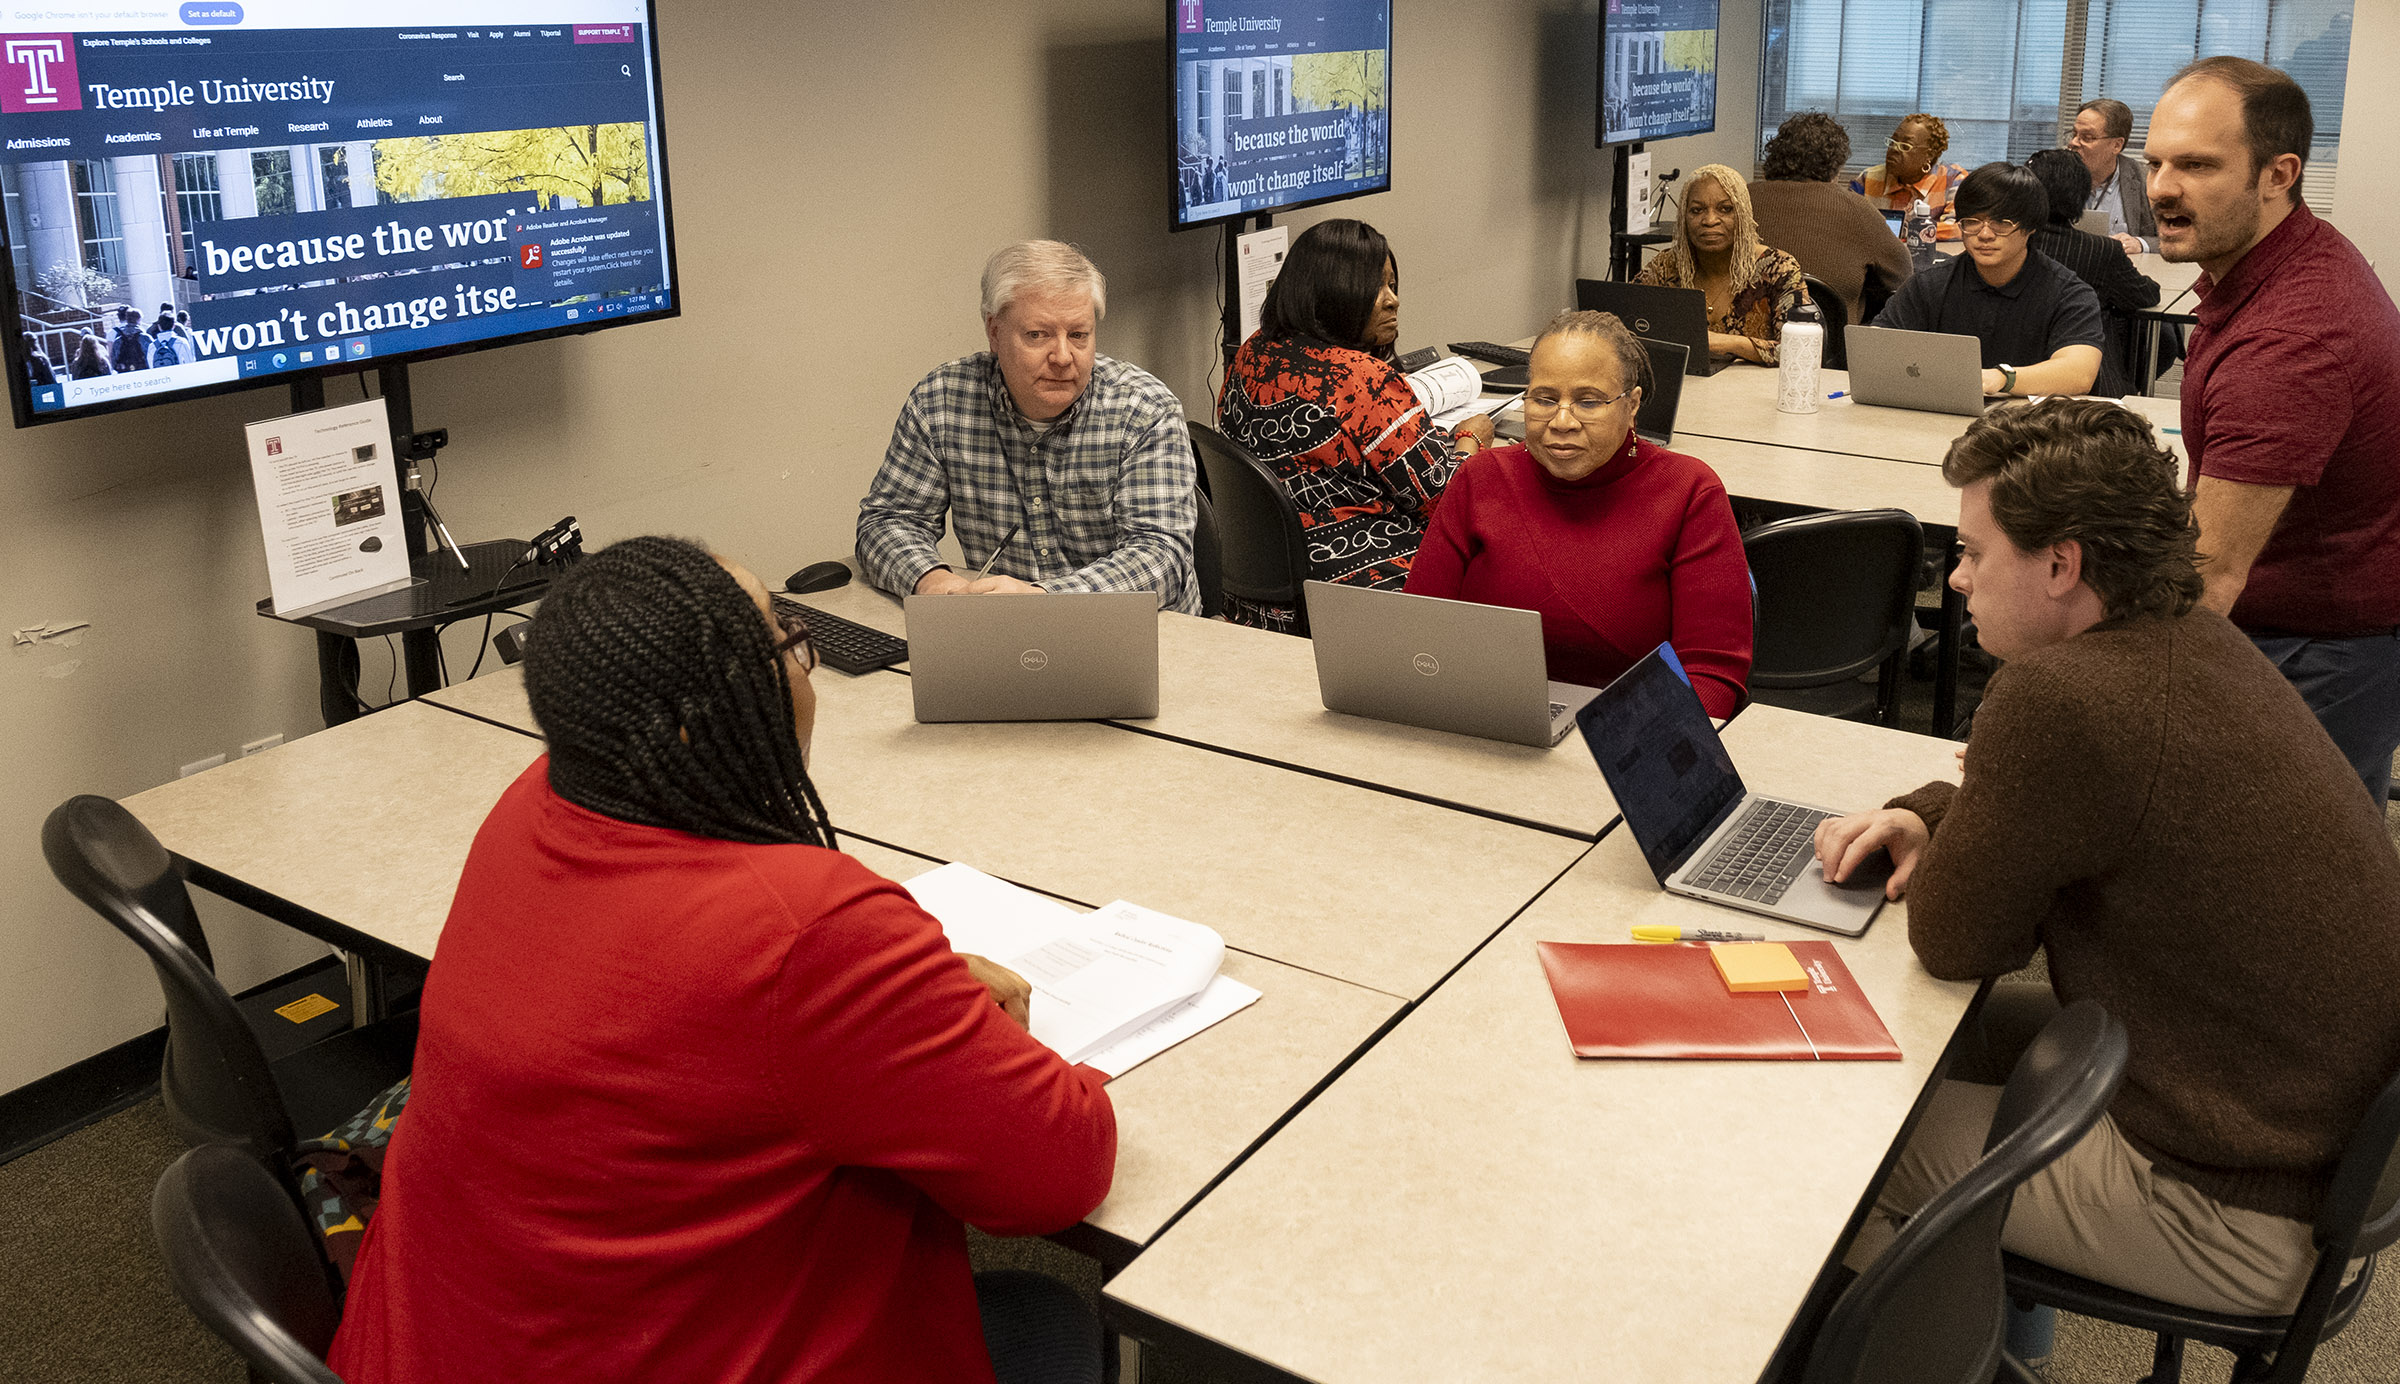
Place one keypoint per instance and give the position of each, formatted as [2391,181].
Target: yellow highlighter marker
[1666,932]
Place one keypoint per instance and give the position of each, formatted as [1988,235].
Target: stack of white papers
[1112,988]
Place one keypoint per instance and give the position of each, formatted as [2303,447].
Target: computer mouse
[817,576]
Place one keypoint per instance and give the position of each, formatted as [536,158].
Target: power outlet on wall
[264,742]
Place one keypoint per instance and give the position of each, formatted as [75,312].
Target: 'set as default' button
[211,12]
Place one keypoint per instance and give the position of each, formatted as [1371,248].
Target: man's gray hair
[1040,267]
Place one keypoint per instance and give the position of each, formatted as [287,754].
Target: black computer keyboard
[1497,355]
[846,646]
[1761,857]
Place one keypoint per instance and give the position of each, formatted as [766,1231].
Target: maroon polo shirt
[2294,379]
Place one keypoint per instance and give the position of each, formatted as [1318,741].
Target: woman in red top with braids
[697,1096]
[1314,395]
[1620,545]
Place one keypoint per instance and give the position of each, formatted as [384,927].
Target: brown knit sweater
[2152,803]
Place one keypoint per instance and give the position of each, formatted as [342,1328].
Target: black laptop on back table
[1663,314]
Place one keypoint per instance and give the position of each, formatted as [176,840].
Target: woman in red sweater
[697,1096]
[1620,545]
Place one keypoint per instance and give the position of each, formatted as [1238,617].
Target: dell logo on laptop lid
[1426,664]
[1033,660]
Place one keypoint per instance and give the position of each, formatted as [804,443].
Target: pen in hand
[986,569]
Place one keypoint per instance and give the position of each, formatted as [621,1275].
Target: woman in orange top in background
[1911,169]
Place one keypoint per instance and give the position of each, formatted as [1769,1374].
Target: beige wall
[839,171]
[2366,191]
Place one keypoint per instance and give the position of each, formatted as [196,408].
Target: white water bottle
[1798,360]
[1918,230]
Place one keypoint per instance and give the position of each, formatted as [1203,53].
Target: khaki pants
[2100,1211]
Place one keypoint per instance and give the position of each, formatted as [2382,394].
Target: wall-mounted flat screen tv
[1658,69]
[1278,104]
[209,195]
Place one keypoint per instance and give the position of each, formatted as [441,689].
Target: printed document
[1112,988]
[328,506]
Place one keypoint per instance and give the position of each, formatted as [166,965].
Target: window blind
[2007,75]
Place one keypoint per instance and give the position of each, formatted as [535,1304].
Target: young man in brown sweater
[2149,801]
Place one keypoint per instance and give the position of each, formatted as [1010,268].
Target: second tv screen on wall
[1658,69]
[1278,104]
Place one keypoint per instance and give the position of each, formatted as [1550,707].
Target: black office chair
[2360,1217]
[244,1260]
[1836,315]
[1208,558]
[218,1085]
[1264,556]
[1836,596]
[1930,1310]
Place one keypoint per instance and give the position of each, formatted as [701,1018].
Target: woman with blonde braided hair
[1912,168]
[696,1095]
[1750,287]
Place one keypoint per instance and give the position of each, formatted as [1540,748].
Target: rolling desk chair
[244,1260]
[1836,596]
[216,1081]
[1930,1310]
[1264,556]
[2360,1217]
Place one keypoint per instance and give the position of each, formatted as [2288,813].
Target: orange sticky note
[1757,966]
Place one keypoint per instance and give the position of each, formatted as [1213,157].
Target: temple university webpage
[208,191]
[1279,102]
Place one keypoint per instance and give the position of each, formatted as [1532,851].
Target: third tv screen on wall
[1658,69]
[1278,104]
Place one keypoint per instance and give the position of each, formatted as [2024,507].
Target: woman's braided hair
[656,683]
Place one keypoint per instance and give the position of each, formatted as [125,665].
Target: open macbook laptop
[1932,371]
[1704,834]
[1444,665]
[1062,656]
[1679,315]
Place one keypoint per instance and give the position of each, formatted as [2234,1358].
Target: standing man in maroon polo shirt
[2291,402]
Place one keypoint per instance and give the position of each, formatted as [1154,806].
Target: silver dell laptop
[1932,371]
[1704,834]
[1060,656]
[1444,665]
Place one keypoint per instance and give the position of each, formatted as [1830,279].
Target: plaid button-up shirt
[1104,495]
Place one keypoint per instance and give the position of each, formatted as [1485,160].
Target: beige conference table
[1471,1201]
[1249,692]
[1327,876]
[357,835]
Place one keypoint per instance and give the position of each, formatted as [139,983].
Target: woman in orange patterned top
[1912,168]
[1315,396]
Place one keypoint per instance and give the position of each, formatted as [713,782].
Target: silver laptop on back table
[1704,834]
[1444,665]
[1932,371]
[1062,656]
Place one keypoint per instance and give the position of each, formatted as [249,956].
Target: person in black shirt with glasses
[2040,325]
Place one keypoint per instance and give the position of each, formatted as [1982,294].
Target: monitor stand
[448,583]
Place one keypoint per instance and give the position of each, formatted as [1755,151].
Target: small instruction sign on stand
[328,506]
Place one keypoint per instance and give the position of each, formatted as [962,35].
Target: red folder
[1644,999]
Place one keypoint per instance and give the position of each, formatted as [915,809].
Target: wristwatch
[2008,379]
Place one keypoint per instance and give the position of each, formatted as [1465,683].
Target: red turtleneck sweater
[1641,552]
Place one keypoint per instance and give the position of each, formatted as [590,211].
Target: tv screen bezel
[20,387]
[1391,44]
[1600,139]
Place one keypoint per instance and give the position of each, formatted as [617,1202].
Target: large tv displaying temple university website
[1278,104]
[208,195]
[1658,69]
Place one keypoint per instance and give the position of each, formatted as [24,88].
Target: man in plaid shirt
[1060,468]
